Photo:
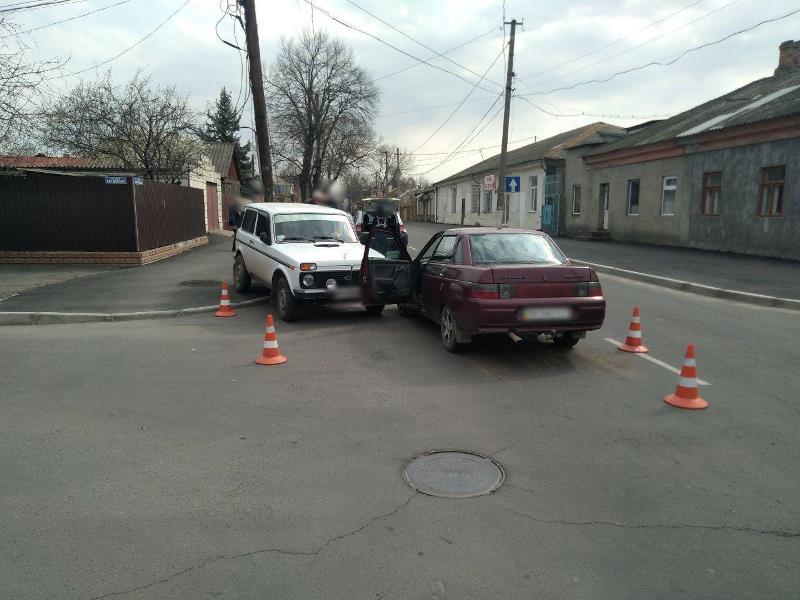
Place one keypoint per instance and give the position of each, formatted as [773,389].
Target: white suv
[302,252]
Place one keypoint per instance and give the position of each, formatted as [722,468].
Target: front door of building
[212,205]
[603,207]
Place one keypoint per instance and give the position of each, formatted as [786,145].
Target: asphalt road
[153,459]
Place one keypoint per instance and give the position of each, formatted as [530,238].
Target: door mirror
[264,237]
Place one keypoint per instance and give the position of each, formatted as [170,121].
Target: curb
[695,288]
[45,318]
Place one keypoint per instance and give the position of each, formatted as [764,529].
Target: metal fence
[167,213]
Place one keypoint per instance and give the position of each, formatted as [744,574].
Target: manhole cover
[199,283]
[452,474]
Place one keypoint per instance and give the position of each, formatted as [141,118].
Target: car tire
[375,309]
[288,306]
[241,278]
[450,333]
[566,341]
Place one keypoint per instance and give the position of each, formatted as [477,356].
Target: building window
[576,199]
[770,202]
[476,198]
[453,193]
[487,201]
[633,197]
[533,193]
[669,188]
[712,184]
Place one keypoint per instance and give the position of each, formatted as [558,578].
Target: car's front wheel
[241,278]
[451,336]
[404,310]
[288,306]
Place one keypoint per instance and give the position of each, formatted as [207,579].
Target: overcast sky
[186,53]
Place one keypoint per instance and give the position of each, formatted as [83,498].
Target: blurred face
[318,198]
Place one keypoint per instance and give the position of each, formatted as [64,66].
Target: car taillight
[595,289]
[490,291]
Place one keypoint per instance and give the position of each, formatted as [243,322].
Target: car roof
[294,207]
[468,230]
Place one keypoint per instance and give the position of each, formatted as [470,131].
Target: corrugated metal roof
[55,162]
[554,147]
[762,100]
[220,154]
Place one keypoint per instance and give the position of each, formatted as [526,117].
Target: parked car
[305,254]
[477,280]
[380,212]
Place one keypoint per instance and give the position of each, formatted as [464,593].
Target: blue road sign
[512,183]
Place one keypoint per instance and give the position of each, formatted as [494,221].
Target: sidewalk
[184,281]
[755,275]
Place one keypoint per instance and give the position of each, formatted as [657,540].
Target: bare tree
[20,77]
[322,109]
[384,170]
[135,125]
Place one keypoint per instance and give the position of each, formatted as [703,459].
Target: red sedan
[475,280]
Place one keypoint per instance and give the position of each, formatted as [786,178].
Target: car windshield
[514,248]
[312,227]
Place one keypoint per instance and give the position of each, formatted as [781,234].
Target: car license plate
[545,313]
[350,292]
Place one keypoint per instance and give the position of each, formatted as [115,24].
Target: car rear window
[249,220]
[514,248]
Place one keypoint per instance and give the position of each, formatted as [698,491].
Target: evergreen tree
[222,125]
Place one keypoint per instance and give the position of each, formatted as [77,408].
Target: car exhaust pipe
[514,337]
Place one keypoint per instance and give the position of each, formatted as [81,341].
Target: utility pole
[502,202]
[397,171]
[259,104]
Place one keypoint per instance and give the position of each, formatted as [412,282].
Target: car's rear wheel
[375,309]
[451,336]
[241,278]
[288,306]
[566,340]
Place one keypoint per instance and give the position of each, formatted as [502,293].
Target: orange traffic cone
[225,309]
[633,343]
[271,354]
[687,393]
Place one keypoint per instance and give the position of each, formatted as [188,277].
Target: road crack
[281,551]
[598,523]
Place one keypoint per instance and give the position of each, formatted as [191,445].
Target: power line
[22,6]
[645,43]
[385,43]
[588,114]
[460,104]
[86,14]
[666,63]
[424,108]
[453,49]
[616,41]
[129,48]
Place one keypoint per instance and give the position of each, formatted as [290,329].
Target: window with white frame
[669,189]
[453,193]
[533,193]
[633,198]
[476,198]
[487,201]
[576,199]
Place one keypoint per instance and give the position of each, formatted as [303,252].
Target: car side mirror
[264,237]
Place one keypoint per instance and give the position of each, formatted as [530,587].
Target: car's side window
[444,251]
[428,251]
[262,225]
[458,255]
[249,221]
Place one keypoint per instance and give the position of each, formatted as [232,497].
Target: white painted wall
[520,212]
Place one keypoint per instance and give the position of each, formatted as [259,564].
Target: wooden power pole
[259,103]
[502,203]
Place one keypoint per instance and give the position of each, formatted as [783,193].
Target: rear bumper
[502,316]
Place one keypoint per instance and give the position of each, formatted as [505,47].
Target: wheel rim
[447,327]
[283,301]
[237,273]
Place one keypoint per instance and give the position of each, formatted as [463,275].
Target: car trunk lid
[543,281]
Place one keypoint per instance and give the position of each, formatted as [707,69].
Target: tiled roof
[55,162]
[762,100]
[553,147]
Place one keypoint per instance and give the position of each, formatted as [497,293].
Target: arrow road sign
[512,183]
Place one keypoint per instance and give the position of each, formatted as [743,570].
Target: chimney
[789,61]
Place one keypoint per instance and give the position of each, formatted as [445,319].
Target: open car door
[385,269]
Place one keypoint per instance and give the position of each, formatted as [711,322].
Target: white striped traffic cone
[271,354]
[687,394]
[225,309]
[633,343]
